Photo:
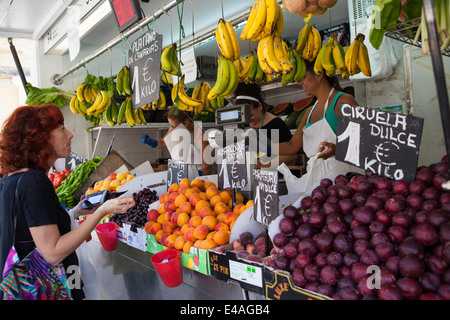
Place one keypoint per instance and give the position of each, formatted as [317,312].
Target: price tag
[231,168]
[144,60]
[382,142]
[246,273]
[176,171]
[265,195]
[73,161]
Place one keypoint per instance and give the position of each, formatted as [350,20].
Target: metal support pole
[18,65]
[438,70]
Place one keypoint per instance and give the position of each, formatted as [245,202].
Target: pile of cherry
[370,237]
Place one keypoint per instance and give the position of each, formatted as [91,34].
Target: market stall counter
[127,273]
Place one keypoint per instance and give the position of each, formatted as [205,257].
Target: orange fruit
[184,228]
[208,184]
[211,192]
[221,237]
[198,243]
[180,199]
[195,221]
[226,196]
[161,208]
[210,222]
[207,244]
[221,207]
[203,196]
[201,204]
[239,198]
[183,218]
[211,235]
[189,192]
[215,200]
[158,235]
[249,203]
[187,246]
[197,183]
[237,208]
[179,243]
[185,182]
[201,232]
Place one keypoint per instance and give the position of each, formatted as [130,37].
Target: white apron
[316,169]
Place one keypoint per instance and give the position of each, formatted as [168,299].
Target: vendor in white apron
[191,150]
[316,134]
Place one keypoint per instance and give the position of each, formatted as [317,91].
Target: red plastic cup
[107,234]
[167,264]
[89,237]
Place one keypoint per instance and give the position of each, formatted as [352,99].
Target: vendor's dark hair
[252,90]
[333,81]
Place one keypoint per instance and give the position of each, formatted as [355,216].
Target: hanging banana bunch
[357,58]
[299,69]
[85,93]
[309,42]
[227,79]
[266,16]
[227,40]
[169,60]
[201,93]
[180,98]
[161,103]
[273,55]
[123,85]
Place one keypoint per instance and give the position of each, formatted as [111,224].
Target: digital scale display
[239,114]
[126,12]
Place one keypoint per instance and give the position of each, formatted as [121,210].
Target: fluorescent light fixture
[85,26]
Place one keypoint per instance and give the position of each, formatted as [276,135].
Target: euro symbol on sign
[145,69]
[234,172]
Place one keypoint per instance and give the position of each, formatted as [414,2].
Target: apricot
[163,198]
[232,224]
[211,235]
[168,226]
[249,203]
[221,237]
[221,207]
[215,200]
[187,246]
[174,187]
[242,209]
[189,192]
[161,219]
[207,244]
[169,205]
[167,215]
[194,213]
[210,222]
[220,217]
[195,221]
[230,217]
[194,198]
[203,196]
[177,231]
[184,228]
[179,243]
[152,215]
[155,227]
[182,219]
[185,182]
[198,243]
[158,235]
[239,198]
[164,238]
[173,196]
[208,184]
[201,204]
[148,226]
[197,183]
[221,226]
[186,207]
[237,208]
[182,189]
[211,192]
[170,241]
[206,212]
[201,231]
[189,235]
[174,218]
[226,196]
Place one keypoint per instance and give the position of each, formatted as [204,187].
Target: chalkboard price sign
[74,160]
[144,60]
[176,171]
[232,172]
[382,142]
[265,195]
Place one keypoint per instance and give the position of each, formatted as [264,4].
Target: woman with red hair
[31,140]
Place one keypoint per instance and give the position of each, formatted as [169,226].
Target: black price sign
[144,60]
[74,160]
[232,172]
[382,142]
[265,195]
[176,171]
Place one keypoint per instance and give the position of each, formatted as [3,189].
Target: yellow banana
[223,40]
[260,54]
[309,47]
[196,91]
[162,103]
[174,60]
[318,67]
[327,59]
[107,116]
[106,100]
[271,17]
[351,57]
[223,76]
[205,90]
[303,37]
[280,20]
[95,105]
[136,116]
[184,97]
[80,90]
[259,73]
[72,105]
[166,63]
[317,40]
[338,56]
[129,114]
[81,107]
[247,66]
[166,78]
[234,41]
[114,111]
[142,116]
[363,58]
[270,58]
[88,97]
[260,21]
[281,54]
[252,72]
[232,82]
[250,21]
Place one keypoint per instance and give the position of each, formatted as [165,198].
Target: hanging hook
[121,44]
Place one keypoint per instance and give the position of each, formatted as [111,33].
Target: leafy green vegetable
[53,95]
[385,13]
[411,9]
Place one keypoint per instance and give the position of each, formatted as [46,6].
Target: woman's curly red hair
[25,136]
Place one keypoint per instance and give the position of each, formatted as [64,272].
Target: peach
[168,227]
[152,215]
[167,215]
[189,235]
[187,246]
[242,209]
[221,226]
[163,198]
[201,232]
[174,218]
[155,228]
[161,208]
[201,204]
[185,182]
[230,217]
[184,228]
[189,192]
[194,198]
[182,219]
[197,183]
[208,244]
[186,207]
[221,207]
[211,192]
[180,199]
[237,208]
[170,241]
[205,212]
[208,184]
[239,198]
[232,224]
[203,196]
[194,213]
[174,187]
[173,195]
[211,235]
[221,237]
[195,221]
[177,231]
[158,235]
[249,203]
[179,243]
[164,238]
[169,205]
[160,219]
[237,245]
[198,243]
[148,226]
[226,196]
[220,217]
[210,222]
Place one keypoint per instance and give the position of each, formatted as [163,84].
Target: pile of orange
[113,183]
[195,213]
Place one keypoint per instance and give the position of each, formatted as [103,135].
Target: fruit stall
[380,231]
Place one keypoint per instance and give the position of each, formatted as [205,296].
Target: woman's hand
[327,150]
[117,205]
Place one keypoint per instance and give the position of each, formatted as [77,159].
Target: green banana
[129,114]
[252,72]
[301,67]
[259,73]
[114,111]
[119,82]
[126,81]
[121,114]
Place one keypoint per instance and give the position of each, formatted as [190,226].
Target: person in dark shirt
[262,118]
[31,140]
